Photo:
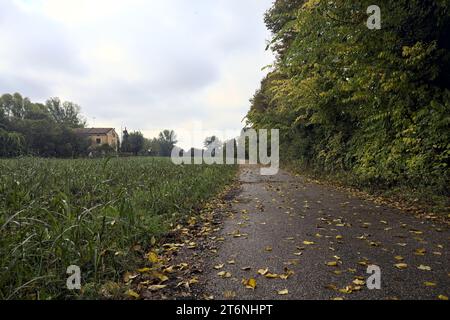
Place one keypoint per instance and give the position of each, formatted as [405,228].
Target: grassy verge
[89,213]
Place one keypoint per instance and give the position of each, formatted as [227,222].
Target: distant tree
[125,145]
[66,113]
[136,142]
[167,140]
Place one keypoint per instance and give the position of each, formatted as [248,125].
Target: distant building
[100,136]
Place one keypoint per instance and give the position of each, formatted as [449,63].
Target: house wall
[111,139]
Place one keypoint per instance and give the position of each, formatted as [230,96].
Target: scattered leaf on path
[132,294]
[425,268]
[283,292]
[249,283]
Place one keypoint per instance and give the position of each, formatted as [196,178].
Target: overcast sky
[143,64]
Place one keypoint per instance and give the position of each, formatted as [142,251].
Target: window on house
[99,140]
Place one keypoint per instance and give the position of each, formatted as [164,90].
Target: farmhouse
[100,136]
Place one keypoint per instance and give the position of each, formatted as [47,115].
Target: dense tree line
[374,104]
[28,128]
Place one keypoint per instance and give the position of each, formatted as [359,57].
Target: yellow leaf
[425,268]
[132,294]
[160,276]
[347,289]
[143,270]
[271,275]
[129,276]
[153,257]
[250,283]
[308,243]
[169,269]
[442,297]
[359,282]
[420,252]
[229,294]
[263,271]
[332,263]
[283,292]
[219,266]
[429,284]
[398,258]
[224,274]
[339,237]
[401,265]
[193,280]
[156,287]
[268,248]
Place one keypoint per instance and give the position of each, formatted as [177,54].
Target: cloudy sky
[144,64]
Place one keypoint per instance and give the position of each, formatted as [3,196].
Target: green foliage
[136,142]
[167,140]
[55,213]
[28,128]
[373,103]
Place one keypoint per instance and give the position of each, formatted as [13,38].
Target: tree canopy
[373,103]
[28,128]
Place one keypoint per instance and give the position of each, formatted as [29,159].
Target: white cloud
[147,65]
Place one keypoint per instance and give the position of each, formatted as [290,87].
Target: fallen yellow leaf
[224,274]
[156,287]
[263,271]
[250,283]
[425,268]
[132,294]
[153,257]
[283,292]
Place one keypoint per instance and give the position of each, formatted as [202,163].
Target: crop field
[89,213]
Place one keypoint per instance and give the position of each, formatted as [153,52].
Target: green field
[90,213]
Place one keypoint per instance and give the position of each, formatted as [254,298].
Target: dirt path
[322,240]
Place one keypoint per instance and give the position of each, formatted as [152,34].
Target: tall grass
[90,213]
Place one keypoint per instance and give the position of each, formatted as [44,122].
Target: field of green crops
[90,213]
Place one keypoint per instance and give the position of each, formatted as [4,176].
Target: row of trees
[372,103]
[135,143]
[28,128]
